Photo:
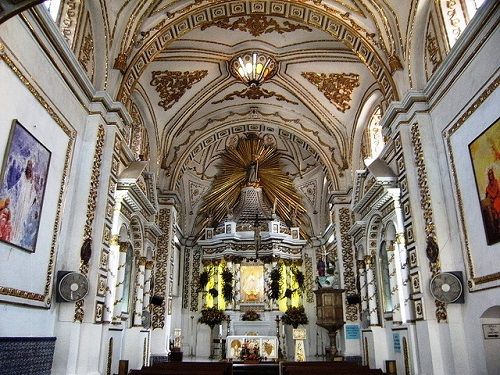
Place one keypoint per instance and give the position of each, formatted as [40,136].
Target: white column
[113,260]
[119,282]
[400,261]
[362,286]
[139,291]
[372,291]
[147,283]
[393,282]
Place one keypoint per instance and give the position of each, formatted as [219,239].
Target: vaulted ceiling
[168,62]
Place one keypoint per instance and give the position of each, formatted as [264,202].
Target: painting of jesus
[22,187]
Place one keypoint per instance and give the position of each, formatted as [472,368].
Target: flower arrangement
[212,316]
[227,286]
[274,285]
[250,315]
[250,351]
[295,316]
[204,277]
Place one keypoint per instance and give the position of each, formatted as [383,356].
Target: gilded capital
[123,247]
[368,260]
[149,265]
[141,261]
[115,240]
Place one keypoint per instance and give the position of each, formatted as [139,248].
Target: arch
[241,124]
[331,21]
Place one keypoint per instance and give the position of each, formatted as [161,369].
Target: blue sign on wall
[351,331]
[397,342]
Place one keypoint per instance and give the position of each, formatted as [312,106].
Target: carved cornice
[336,87]
[171,85]
[256,24]
[254,93]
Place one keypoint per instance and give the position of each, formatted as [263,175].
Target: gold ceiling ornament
[336,87]
[254,93]
[171,85]
[256,24]
[253,68]
[252,163]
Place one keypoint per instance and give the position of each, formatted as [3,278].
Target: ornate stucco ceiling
[337,61]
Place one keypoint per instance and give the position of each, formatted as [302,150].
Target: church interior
[287,185]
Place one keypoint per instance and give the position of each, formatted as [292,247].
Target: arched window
[54,7]
[457,15]
[375,134]
[385,283]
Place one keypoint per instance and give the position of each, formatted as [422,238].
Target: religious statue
[252,173]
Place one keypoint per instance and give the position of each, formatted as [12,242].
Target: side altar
[267,346]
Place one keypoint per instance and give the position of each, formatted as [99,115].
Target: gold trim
[71,133]
[91,208]
[255,93]
[426,206]
[447,135]
[337,24]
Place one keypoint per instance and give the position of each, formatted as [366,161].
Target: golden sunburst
[253,163]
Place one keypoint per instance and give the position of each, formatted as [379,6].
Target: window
[53,7]
[375,134]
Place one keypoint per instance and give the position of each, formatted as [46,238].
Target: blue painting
[22,187]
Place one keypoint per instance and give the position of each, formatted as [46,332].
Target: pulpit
[330,314]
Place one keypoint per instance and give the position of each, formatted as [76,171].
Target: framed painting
[22,187]
[485,156]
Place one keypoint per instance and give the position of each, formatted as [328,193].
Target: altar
[268,346]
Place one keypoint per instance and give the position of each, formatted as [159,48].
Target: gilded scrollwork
[257,24]
[161,261]
[337,88]
[255,93]
[91,208]
[172,85]
[426,206]
[348,257]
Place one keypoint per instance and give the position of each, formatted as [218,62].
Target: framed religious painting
[22,188]
[473,151]
[485,156]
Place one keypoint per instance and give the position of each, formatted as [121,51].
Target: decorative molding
[70,13]
[426,206]
[337,88]
[86,53]
[255,93]
[256,24]
[171,85]
[348,257]
[195,276]
[160,276]
[338,24]
[186,277]
[91,208]
[309,279]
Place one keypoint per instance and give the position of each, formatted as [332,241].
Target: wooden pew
[325,368]
[186,368]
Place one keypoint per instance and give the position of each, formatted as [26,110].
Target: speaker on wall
[156,300]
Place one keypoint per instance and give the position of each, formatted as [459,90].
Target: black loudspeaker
[156,300]
[353,299]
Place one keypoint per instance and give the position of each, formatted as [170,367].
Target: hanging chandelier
[253,68]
